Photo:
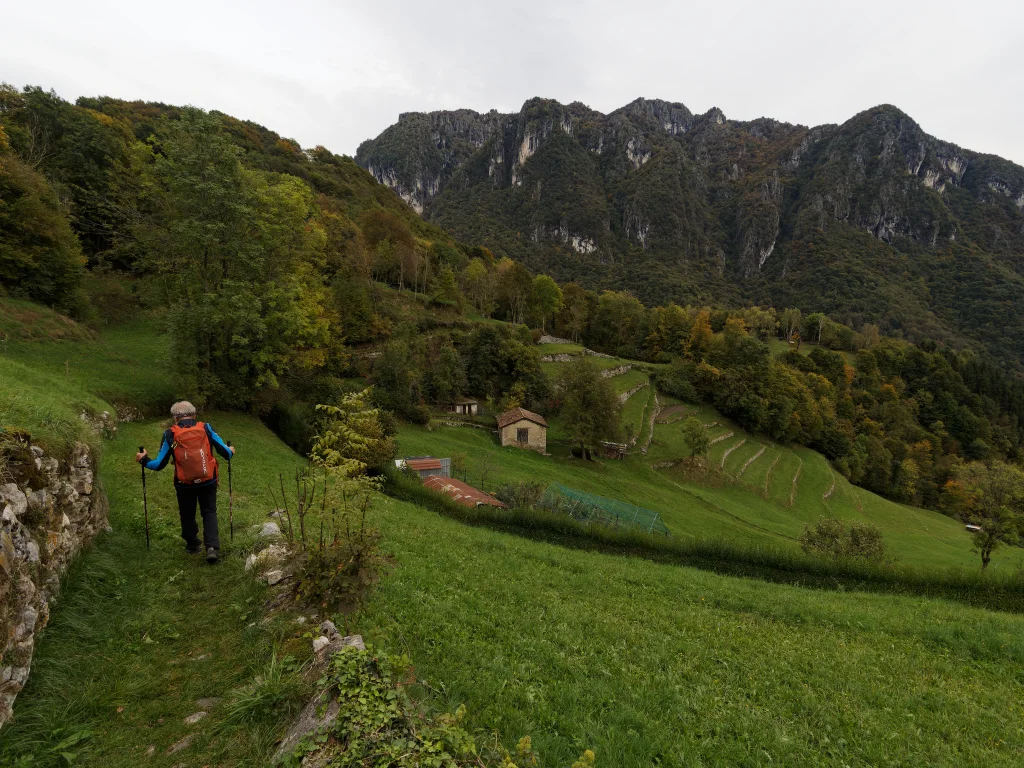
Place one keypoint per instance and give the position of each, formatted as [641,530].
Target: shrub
[833,537]
[339,573]
[116,300]
[379,724]
[677,381]
[352,436]
[339,558]
[524,494]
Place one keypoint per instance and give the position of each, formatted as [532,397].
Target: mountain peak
[652,182]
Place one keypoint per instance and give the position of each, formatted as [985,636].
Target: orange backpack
[193,455]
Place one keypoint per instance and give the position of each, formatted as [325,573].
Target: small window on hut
[522,435]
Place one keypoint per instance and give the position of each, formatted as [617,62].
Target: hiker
[191,444]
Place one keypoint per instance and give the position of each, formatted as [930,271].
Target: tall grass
[46,407]
[762,561]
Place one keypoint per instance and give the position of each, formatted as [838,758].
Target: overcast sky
[336,73]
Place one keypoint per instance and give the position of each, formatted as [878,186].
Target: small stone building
[465,408]
[521,428]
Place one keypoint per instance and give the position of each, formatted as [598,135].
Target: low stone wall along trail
[51,509]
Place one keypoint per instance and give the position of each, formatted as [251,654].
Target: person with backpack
[191,445]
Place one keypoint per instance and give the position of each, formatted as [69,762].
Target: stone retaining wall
[628,394]
[608,373]
[50,510]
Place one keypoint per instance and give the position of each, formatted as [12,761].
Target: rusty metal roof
[463,494]
[419,465]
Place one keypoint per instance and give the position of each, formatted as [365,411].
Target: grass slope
[647,664]
[658,665]
[740,511]
[126,364]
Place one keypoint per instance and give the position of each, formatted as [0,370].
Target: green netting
[591,507]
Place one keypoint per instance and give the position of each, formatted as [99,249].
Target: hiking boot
[212,555]
[193,549]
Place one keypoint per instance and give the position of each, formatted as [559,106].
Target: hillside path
[142,642]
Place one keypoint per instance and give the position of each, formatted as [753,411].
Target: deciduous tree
[351,436]
[239,253]
[696,437]
[790,324]
[991,497]
[545,299]
[699,341]
[590,407]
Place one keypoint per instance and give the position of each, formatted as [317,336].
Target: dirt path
[828,494]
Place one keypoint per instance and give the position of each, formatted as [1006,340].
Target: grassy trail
[138,637]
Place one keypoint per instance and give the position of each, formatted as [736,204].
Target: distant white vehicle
[972,528]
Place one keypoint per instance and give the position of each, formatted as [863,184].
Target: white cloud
[335,73]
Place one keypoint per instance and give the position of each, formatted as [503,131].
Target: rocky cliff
[686,207]
[50,508]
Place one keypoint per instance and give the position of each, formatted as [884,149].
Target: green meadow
[645,663]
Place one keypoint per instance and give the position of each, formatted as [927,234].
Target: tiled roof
[464,494]
[518,414]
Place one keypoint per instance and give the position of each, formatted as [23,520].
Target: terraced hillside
[767,492]
[630,380]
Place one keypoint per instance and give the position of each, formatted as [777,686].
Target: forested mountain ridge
[284,277]
[872,221]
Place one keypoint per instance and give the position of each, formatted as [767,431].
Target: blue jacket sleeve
[218,445]
[163,457]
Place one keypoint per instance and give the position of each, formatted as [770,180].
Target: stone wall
[626,395]
[609,373]
[50,510]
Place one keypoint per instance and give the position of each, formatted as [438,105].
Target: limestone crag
[50,509]
[684,207]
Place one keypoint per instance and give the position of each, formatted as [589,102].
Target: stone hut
[465,408]
[521,428]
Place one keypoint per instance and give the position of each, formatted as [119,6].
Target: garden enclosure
[593,508]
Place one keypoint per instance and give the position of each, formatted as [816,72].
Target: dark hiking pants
[206,497]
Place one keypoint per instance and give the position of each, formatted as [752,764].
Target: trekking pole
[231,499]
[145,502]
